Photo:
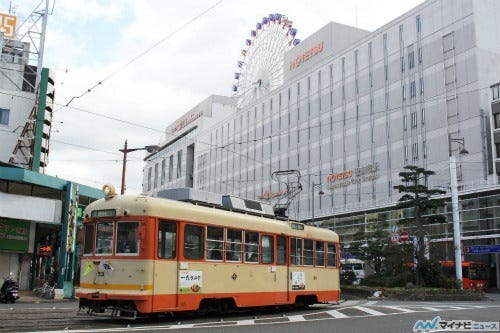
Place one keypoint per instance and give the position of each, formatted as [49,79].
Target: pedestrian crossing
[354,310]
[346,310]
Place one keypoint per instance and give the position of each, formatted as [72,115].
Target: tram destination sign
[479,249]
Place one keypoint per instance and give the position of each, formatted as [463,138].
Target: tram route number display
[190,281]
[298,280]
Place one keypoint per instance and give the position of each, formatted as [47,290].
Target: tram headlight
[109,191]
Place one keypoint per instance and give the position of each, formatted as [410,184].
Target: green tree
[417,196]
[369,245]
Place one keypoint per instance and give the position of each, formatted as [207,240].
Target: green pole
[40,118]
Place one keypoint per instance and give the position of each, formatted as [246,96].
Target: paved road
[356,316]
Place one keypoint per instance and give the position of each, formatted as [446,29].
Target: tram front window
[104,238]
[127,240]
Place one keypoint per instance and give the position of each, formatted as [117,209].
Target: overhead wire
[141,54]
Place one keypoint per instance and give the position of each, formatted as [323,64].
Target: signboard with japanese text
[14,235]
[298,280]
[190,281]
[479,249]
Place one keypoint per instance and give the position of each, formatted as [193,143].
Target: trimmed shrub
[374,280]
[347,277]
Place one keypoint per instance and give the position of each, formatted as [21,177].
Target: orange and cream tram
[144,255]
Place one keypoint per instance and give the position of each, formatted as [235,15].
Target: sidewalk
[27,296]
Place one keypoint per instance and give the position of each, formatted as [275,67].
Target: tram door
[166,267]
[281,274]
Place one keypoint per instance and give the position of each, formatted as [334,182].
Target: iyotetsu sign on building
[348,177]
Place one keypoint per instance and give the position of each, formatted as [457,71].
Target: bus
[473,274]
[355,265]
[146,255]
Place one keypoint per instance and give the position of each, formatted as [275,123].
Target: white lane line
[398,308]
[336,314]
[245,322]
[296,318]
[430,308]
[368,310]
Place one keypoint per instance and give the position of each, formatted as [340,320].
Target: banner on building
[14,235]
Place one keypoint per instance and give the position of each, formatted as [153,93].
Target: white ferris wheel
[261,68]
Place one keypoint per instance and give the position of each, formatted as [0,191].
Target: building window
[179,163]
[411,59]
[150,170]
[495,90]
[413,89]
[496,118]
[155,177]
[419,23]
[4,116]
[163,170]
[171,168]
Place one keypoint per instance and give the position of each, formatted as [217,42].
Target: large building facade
[354,109]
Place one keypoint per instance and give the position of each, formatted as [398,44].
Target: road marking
[336,314]
[296,318]
[245,322]
[398,308]
[429,308]
[368,310]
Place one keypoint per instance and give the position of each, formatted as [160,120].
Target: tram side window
[233,245]
[251,246]
[193,242]
[267,245]
[281,250]
[320,253]
[332,257]
[308,252]
[215,243]
[167,240]
[296,251]
[126,238]
[104,238]
[89,239]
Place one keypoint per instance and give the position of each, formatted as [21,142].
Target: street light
[454,208]
[314,187]
[125,150]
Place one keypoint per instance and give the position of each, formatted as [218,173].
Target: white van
[355,265]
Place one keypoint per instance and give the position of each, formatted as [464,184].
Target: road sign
[403,236]
[394,228]
[395,237]
[478,249]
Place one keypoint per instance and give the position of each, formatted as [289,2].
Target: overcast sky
[156,60]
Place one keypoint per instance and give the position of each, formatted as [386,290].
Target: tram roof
[140,205]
